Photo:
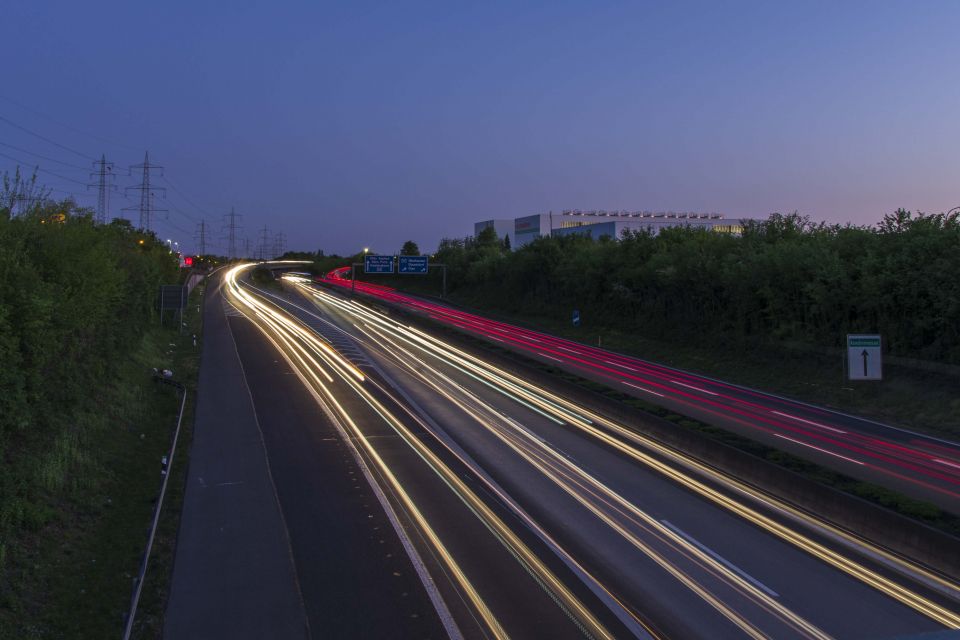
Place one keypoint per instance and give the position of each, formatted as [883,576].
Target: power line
[170,225]
[148,193]
[231,228]
[37,135]
[104,187]
[180,211]
[264,238]
[33,153]
[201,237]
[38,168]
[161,221]
[69,193]
[146,207]
[66,126]
[183,195]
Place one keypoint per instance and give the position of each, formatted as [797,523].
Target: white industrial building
[503,226]
[604,223]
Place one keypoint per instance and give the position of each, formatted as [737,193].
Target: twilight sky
[355,124]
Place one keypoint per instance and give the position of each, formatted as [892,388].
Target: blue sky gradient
[365,124]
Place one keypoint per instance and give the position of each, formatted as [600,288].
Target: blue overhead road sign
[412,264]
[378,264]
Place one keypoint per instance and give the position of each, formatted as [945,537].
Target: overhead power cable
[72,194]
[183,195]
[162,221]
[67,126]
[45,139]
[165,222]
[38,168]
[33,153]
[180,211]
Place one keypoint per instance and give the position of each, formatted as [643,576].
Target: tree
[784,278]
[410,248]
[486,238]
[19,191]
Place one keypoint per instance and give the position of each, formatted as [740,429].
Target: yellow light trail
[590,493]
[288,332]
[546,401]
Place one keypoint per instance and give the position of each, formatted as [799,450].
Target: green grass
[89,501]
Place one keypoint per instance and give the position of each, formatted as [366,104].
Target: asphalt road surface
[280,536]
[918,465]
[533,516]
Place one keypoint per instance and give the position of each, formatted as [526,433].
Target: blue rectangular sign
[378,264]
[412,264]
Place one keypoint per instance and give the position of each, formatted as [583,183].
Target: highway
[918,465]
[535,516]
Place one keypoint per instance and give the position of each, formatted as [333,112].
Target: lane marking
[443,612]
[617,364]
[816,424]
[948,463]
[819,449]
[690,386]
[716,556]
[551,357]
[641,388]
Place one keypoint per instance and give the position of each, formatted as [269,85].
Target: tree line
[784,279]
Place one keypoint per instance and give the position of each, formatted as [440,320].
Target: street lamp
[366,250]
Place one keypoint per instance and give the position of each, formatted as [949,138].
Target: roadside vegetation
[770,308]
[82,423]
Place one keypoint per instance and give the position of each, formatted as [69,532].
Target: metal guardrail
[138,588]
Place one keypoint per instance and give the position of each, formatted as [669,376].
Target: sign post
[864,360]
[353,277]
[443,267]
[173,297]
[576,317]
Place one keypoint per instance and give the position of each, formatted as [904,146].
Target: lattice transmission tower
[147,192]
